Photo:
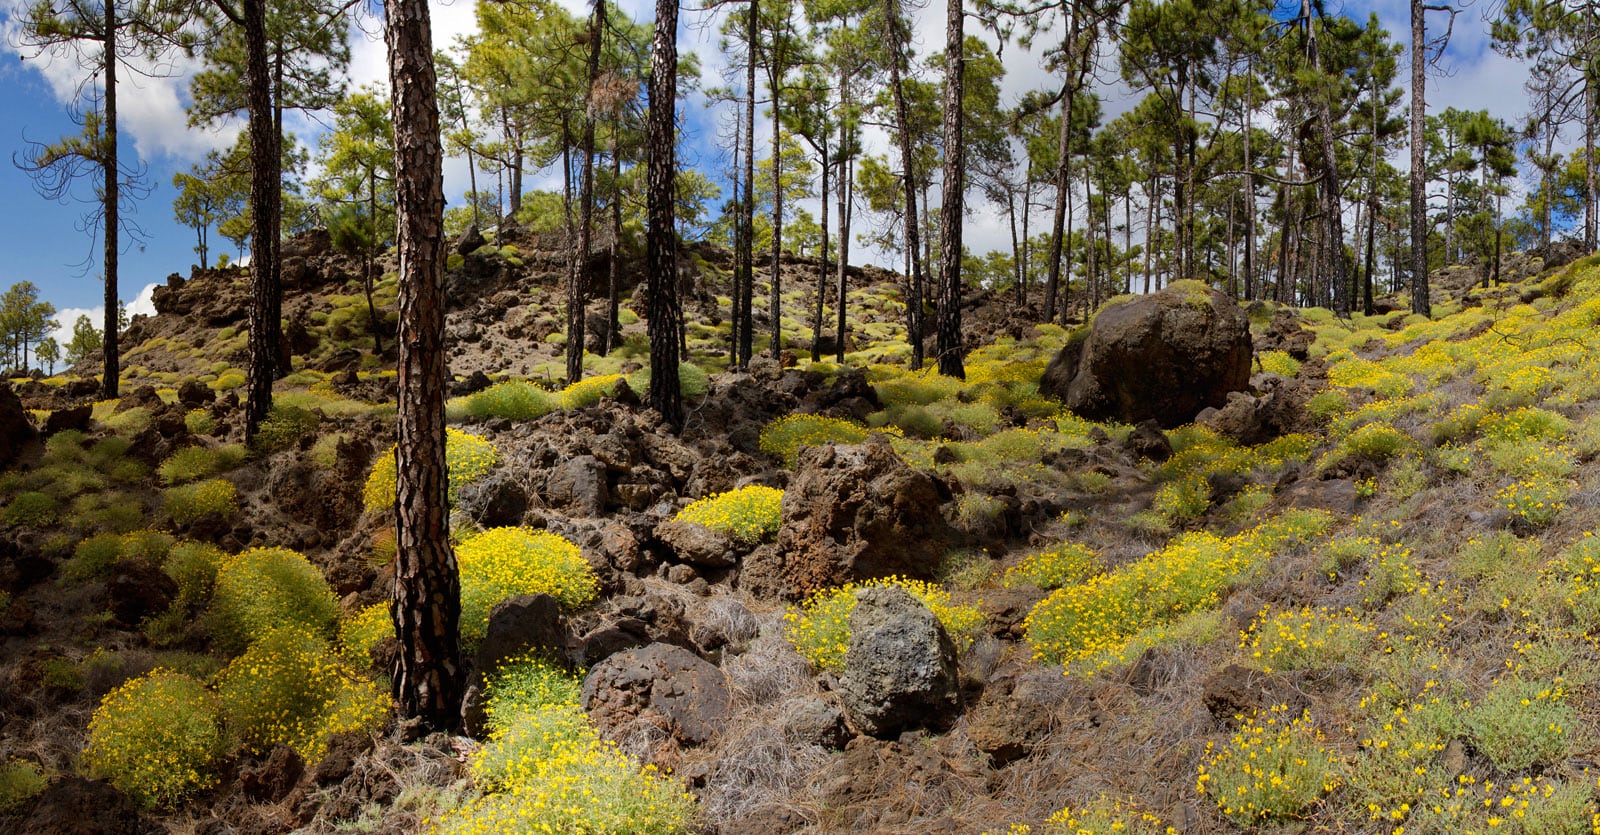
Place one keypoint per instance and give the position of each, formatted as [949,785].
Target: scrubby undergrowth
[1384,622]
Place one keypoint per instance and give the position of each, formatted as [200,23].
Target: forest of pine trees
[1258,147]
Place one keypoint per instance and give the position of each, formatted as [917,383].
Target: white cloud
[142,304]
[150,94]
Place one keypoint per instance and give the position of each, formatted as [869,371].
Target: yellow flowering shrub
[1522,723]
[1304,638]
[290,688]
[467,459]
[748,514]
[1183,500]
[1536,500]
[1348,371]
[157,738]
[588,391]
[20,782]
[1105,815]
[784,437]
[189,502]
[1397,766]
[262,589]
[362,631]
[545,770]
[31,508]
[1100,615]
[506,562]
[1279,363]
[1275,766]
[512,399]
[196,462]
[1541,805]
[1526,422]
[1069,562]
[820,630]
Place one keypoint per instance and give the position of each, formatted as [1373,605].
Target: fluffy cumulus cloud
[151,95]
[142,305]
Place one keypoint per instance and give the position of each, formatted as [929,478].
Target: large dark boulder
[853,513]
[658,692]
[1160,357]
[16,430]
[900,668]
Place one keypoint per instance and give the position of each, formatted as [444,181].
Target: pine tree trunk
[661,234]
[265,192]
[953,208]
[775,298]
[111,198]
[897,46]
[843,192]
[1419,178]
[614,269]
[746,267]
[822,267]
[578,290]
[426,607]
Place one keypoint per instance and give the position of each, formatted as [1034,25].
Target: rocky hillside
[1315,574]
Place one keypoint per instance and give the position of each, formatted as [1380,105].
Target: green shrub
[1104,815]
[748,514]
[289,688]
[512,399]
[1522,723]
[1279,363]
[193,566]
[467,459]
[31,508]
[157,738]
[108,451]
[524,686]
[187,503]
[196,462]
[1304,639]
[692,381]
[1327,405]
[1376,441]
[917,421]
[262,589]
[130,422]
[362,632]
[1093,621]
[820,630]
[501,563]
[1536,500]
[200,422]
[1274,767]
[587,392]
[784,437]
[20,782]
[284,426]
[93,557]
[1183,500]
[1066,563]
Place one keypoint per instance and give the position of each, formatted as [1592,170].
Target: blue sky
[43,244]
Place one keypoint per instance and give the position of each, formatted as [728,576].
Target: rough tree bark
[897,44]
[426,606]
[1419,177]
[661,236]
[265,194]
[112,371]
[954,204]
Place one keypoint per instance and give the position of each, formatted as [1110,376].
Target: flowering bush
[506,562]
[1536,500]
[1273,767]
[784,437]
[1101,614]
[587,392]
[1522,723]
[820,630]
[1066,563]
[748,514]
[196,462]
[546,770]
[1105,816]
[156,737]
[289,688]
[263,589]
[1304,638]
[362,632]
[467,459]
[187,503]
[31,508]
[512,399]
